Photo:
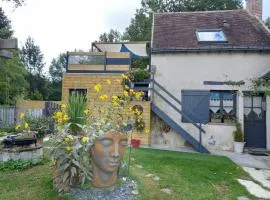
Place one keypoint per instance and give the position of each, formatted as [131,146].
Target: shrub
[40,125]
[138,75]
[75,110]
[238,133]
[20,164]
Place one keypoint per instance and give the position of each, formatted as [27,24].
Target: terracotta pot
[107,153]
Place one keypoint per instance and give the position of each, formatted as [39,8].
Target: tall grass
[76,106]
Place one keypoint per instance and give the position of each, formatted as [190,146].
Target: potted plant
[238,139]
[137,77]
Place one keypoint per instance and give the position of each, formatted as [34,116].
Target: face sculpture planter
[107,153]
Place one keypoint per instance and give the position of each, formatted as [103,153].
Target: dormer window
[211,35]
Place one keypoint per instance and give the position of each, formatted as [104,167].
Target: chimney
[255,7]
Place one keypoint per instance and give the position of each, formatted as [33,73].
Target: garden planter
[238,147]
[135,143]
[107,152]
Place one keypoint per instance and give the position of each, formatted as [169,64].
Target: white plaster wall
[268,122]
[189,70]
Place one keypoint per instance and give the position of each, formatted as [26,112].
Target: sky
[59,26]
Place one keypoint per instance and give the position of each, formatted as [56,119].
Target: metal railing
[192,119]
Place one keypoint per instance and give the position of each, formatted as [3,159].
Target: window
[78,91]
[211,36]
[222,106]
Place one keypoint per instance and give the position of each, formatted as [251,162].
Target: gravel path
[126,191]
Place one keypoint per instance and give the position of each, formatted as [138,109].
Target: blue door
[255,121]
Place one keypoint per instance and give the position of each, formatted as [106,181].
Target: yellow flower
[115,104]
[68,149]
[115,98]
[147,131]
[68,139]
[86,112]
[18,127]
[97,87]
[103,121]
[125,93]
[103,97]
[66,117]
[118,81]
[138,95]
[124,123]
[84,140]
[22,116]
[54,162]
[124,76]
[109,82]
[63,106]
[26,125]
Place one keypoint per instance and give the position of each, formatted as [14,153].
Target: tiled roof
[178,30]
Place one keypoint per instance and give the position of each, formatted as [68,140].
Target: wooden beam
[6,54]
[8,43]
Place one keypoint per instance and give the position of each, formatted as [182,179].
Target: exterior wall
[87,81]
[268,123]
[189,70]
[28,104]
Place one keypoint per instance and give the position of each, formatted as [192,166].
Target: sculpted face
[108,151]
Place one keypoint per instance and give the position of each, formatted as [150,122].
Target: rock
[126,191]
[139,166]
[156,178]
[166,190]
[149,175]
[242,198]
[135,192]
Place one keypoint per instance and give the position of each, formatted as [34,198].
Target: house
[204,63]
[104,63]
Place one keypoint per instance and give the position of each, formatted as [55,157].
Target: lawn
[188,175]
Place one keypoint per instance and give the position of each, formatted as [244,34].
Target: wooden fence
[9,115]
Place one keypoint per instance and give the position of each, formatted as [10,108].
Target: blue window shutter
[195,105]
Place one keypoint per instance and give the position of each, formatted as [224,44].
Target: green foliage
[72,160]
[112,36]
[238,133]
[5,27]
[138,75]
[140,28]
[31,57]
[76,106]
[267,22]
[12,79]
[261,84]
[40,125]
[20,164]
[57,67]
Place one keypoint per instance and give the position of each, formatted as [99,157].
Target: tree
[5,27]
[112,36]
[267,22]
[16,2]
[56,70]
[12,79]
[140,28]
[31,57]
[57,67]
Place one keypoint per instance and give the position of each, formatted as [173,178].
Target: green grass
[189,175]
[31,184]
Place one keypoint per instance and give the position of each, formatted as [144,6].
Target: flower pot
[135,143]
[107,153]
[238,147]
